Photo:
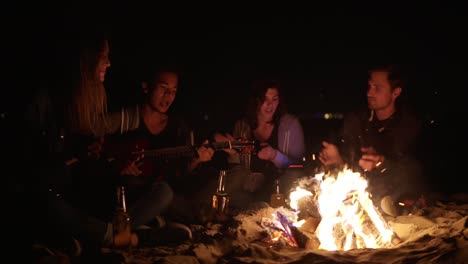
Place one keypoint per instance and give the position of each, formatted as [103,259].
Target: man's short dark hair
[396,75]
[152,72]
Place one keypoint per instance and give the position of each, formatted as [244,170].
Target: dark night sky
[320,58]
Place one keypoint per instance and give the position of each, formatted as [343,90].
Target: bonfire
[347,216]
[326,219]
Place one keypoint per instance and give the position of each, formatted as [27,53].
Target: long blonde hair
[88,102]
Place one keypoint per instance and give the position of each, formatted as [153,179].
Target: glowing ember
[279,227]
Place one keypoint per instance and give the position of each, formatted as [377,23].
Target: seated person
[380,141]
[60,124]
[281,141]
[62,138]
[168,153]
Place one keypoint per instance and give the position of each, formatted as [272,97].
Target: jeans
[147,203]
[60,219]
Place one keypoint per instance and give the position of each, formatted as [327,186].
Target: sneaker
[44,254]
[160,221]
[68,246]
[388,206]
[157,222]
[169,235]
[180,226]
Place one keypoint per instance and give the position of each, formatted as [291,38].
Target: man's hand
[131,169]
[329,155]
[370,160]
[133,166]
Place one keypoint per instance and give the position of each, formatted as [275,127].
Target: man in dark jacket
[381,141]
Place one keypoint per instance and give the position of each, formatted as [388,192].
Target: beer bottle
[277,198]
[121,219]
[220,205]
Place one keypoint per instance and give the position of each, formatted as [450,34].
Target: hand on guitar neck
[241,145]
[226,145]
[206,150]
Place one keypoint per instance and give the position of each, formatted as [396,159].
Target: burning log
[307,208]
[304,241]
[310,224]
[348,218]
[358,224]
[338,212]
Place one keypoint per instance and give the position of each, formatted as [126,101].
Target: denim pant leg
[67,219]
[151,204]
[239,197]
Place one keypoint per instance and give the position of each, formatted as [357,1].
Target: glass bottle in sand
[121,219]
[220,203]
[277,198]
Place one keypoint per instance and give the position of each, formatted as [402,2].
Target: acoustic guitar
[191,151]
[151,161]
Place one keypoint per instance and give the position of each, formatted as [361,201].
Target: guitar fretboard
[184,151]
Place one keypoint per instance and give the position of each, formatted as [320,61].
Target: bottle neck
[221,181]
[121,202]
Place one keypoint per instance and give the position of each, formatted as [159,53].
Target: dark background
[320,55]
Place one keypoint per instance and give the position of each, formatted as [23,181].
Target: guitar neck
[181,151]
[188,151]
[232,144]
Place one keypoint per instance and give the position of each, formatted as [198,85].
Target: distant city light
[332,116]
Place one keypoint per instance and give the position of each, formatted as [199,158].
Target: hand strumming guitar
[370,159]
[329,154]
[132,167]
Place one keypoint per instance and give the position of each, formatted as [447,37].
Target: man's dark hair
[396,75]
[152,72]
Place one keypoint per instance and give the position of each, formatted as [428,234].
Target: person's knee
[166,194]
[236,178]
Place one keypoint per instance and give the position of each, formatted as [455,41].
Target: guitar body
[159,157]
[156,155]
[119,150]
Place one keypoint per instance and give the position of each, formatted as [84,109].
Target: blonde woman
[64,127]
